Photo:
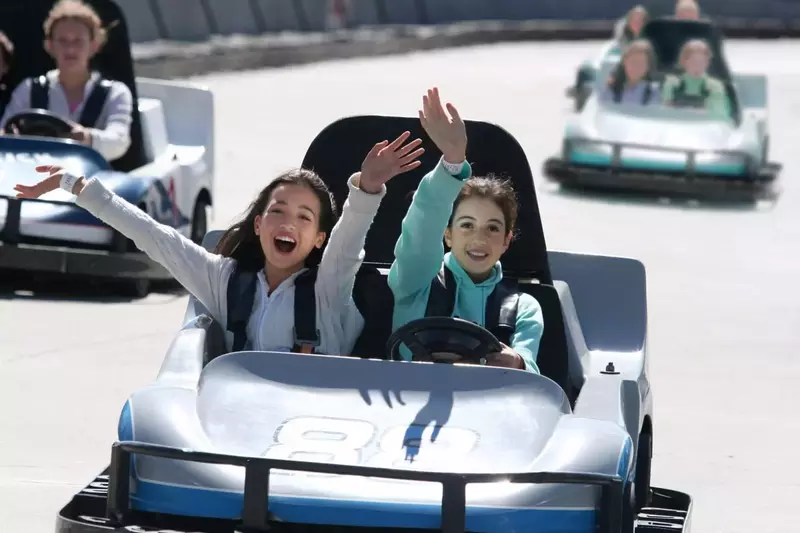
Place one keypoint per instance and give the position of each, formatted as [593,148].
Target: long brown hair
[240,241]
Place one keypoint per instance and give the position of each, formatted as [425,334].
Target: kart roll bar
[618,147]
[9,231]
[255,509]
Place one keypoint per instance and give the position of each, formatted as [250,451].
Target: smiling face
[478,236]
[71,44]
[289,227]
[696,60]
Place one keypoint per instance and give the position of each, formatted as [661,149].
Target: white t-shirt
[111,135]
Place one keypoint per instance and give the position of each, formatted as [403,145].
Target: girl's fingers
[407,148]
[411,157]
[410,166]
[400,140]
[454,112]
[48,168]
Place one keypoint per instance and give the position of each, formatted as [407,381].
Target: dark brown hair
[240,240]
[491,187]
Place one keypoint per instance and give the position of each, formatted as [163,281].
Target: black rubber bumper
[682,185]
[82,262]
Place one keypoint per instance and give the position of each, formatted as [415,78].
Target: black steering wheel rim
[40,123]
[412,333]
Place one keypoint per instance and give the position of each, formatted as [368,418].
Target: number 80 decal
[343,441]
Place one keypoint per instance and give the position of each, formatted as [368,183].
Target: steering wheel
[443,340]
[40,123]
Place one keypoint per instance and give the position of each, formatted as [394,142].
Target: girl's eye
[306,218]
[494,229]
[466,225]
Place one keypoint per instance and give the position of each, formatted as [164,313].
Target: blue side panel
[602,160]
[624,470]
[155,497]
[125,426]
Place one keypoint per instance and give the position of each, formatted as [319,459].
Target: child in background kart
[281,236]
[73,35]
[695,88]
[630,83]
[687,10]
[477,216]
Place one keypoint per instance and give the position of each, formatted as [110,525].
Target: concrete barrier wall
[198,20]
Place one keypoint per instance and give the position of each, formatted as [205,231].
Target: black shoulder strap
[94,103]
[40,92]
[648,92]
[442,299]
[681,88]
[704,92]
[306,334]
[501,310]
[241,294]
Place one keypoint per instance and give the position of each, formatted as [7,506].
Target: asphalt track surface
[722,283]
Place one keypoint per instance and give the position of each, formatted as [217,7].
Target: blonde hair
[693,46]
[76,10]
[638,45]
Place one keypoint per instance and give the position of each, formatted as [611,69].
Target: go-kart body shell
[445,440]
[168,170]
[662,149]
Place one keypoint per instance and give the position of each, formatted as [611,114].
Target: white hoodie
[205,274]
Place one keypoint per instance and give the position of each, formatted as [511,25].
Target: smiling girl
[73,35]
[280,237]
[477,217]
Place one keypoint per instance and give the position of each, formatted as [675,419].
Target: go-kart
[167,171]
[259,441]
[667,150]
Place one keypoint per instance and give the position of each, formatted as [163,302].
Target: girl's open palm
[387,160]
[50,183]
[450,136]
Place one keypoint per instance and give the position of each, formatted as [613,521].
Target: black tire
[199,221]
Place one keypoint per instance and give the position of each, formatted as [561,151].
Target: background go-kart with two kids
[168,170]
[231,441]
[661,149]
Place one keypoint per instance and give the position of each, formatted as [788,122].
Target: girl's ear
[257,225]
[448,237]
[48,47]
[321,236]
[507,241]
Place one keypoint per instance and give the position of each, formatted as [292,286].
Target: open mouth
[284,244]
[476,255]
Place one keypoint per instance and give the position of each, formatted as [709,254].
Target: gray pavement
[723,285]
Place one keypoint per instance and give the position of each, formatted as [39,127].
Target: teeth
[286,239]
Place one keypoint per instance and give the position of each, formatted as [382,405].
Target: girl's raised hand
[450,136]
[387,160]
[50,183]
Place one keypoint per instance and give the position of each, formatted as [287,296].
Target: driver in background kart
[629,27]
[630,83]
[73,35]
[695,88]
[6,58]
[477,216]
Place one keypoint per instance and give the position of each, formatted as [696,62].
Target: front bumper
[104,506]
[19,253]
[704,186]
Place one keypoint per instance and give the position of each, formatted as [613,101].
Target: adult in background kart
[695,88]
[629,27]
[687,10]
[279,239]
[73,35]
[477,218]
[630,83]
